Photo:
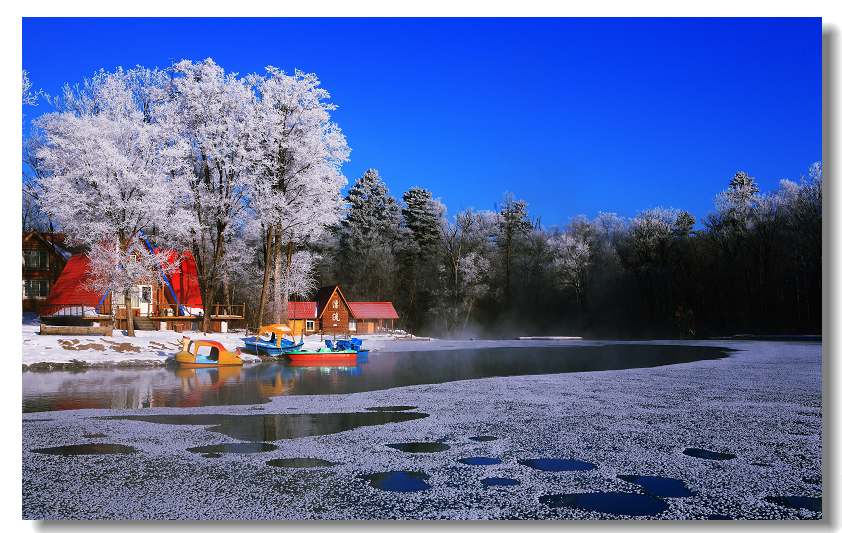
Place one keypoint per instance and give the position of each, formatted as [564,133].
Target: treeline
[752,265]
[245,173]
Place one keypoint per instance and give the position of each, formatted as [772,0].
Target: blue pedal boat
[271,347]
[353,343]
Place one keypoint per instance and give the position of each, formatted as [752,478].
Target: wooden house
[175,304]
[44,256]
[332,314]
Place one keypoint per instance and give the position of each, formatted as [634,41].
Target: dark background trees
[753,265]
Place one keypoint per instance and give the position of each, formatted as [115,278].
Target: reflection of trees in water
[138,388]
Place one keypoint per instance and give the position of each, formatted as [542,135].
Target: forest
[245,172]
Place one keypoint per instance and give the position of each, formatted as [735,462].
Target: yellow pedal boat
[201,354]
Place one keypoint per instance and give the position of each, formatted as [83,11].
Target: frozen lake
[707,437]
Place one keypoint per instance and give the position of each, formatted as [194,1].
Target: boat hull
[322,357]
[189,360]
[266,348]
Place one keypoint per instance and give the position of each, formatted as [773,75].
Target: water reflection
[135,388]
[259,428]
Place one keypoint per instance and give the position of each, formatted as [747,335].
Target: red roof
[300,310]
[373,310]
[71,285]
[359,310]
[185,281]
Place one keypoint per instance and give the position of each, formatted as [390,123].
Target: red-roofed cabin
[154,305]
[332,314]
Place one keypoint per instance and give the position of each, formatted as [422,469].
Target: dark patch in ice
[419,447]
[398,481]
[499,482]
[718,517]
[235,447]
[557,465]
[94,435]
[483,438]
[812,480]
[392,408]
[797,502]
[299,462]
[480,461]
[28,420]
[707,454]
[88,449]
[212,455]
[259,428]
[615,503]
[664,487]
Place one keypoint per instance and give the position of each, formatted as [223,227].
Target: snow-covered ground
[762,404]
[144,349]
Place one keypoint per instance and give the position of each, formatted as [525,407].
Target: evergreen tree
[367,239]
[420,255]
[512,223]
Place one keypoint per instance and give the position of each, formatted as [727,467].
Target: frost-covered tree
[467,265]
[512,223]
[212,113]
[571,258]
[367,238]
[107,175]
[735,204]
[422,216]
[27,95]
[295,188]
[419,254]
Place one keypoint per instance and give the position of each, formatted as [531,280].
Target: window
[336,304]
[146,294]
[335,317]
[36,288]
[352,325]
[211,352]
[309,325]
[35,259]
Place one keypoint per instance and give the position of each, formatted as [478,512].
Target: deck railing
[229,310]
[70,309]
[118,311]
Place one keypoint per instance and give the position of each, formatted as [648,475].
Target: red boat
[322,356]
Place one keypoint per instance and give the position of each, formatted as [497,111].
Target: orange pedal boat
[202,354]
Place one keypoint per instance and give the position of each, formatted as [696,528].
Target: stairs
[145,324]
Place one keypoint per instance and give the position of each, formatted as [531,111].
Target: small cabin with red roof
[333,314]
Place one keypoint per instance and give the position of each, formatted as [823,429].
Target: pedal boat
[204,354]
[323,355]
[276,345]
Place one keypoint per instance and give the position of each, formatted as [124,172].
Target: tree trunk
[208,299]
[267,265]
[277,285]
[127,300]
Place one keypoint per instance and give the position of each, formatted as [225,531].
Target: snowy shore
[146,348]
[762,404]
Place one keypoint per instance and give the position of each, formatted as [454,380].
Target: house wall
[335,316]
[49,273]
[374,325]
[365,326]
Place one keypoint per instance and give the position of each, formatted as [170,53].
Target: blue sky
[576,116]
